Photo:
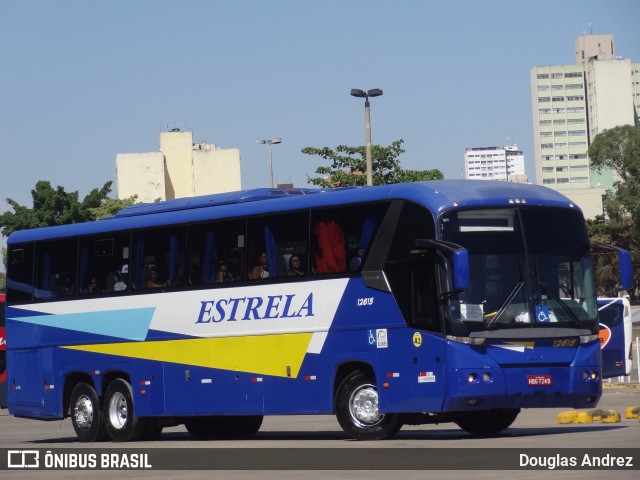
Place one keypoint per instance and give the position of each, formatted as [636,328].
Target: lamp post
[270,141]
[374,92]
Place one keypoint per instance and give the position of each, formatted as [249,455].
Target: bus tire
[86,414]
[119,414]
[486,423]
[357,409]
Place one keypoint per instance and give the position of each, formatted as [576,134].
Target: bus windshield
[524,271]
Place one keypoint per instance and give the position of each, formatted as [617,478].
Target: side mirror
[459,260]
[625,262]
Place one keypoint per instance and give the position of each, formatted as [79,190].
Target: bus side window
[20,273]
[280,237]
[56,269]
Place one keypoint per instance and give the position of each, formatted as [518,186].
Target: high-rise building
[180,169]
[572,104]
[494,163]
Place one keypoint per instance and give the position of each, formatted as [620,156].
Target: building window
[577,133]
[546,145]
[548,180]
[543,76]
[545,110]
[575,98]
[543,99]
[558,99]
[573,75]
[557,75]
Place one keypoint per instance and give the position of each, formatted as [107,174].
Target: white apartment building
[571,104]
[494,163]
[180,169]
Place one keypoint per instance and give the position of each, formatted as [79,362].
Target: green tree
[110,206]
[618,149]
[55,206]
[349,166]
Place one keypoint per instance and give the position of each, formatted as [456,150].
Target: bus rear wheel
[357,409]
[486,423]
[86,414]
[120,419]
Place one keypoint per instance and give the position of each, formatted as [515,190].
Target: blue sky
[83,81]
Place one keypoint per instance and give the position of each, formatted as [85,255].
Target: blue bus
[615,336]
[3,356]
[443,301]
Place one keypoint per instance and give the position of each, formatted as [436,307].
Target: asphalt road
[319,440]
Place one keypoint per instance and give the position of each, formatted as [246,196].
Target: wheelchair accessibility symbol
[542,314]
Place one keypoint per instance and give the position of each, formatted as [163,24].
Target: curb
[589,416]
[632,412]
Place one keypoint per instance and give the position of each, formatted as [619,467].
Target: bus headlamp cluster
[473,377]
[592,375]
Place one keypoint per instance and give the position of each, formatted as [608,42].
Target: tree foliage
[55,206]
[349,165]
[619,150]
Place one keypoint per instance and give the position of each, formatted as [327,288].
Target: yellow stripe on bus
[277,355]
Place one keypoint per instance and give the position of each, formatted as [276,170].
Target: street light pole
[269,142]
[374,92]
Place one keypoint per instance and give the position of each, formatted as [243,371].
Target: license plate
[538,380]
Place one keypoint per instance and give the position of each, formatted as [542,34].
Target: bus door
[615,336]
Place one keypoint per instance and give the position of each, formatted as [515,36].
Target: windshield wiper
[505,305]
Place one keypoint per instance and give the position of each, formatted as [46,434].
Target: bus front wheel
[120,419]
[486,423]
[86,415]
[358,412]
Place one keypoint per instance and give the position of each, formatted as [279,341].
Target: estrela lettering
[255,308]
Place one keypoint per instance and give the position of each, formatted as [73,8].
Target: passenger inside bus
[224,273]
[153,278]
[296,268]
[259,270]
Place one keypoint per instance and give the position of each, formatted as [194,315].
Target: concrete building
[180,169]
[572,104]
[494,163]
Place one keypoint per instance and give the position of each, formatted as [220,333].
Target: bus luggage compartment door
[31,385]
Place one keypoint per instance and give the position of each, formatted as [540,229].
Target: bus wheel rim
[118,410]
[363,406]
[83,412]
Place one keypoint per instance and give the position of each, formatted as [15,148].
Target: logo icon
[23,459]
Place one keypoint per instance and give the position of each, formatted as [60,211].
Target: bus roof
[436,195]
